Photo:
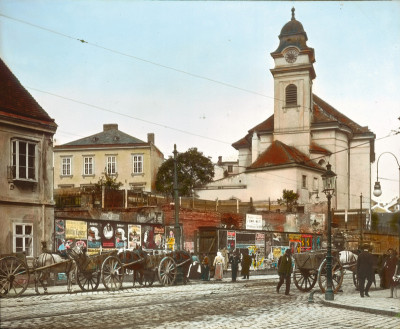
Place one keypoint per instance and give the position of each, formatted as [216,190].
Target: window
[138,164]
[291,95]
[304,181]
[66,164]
[230,169]
[88,163]
[23,235]
[23,161]
[315,184]
[111,165]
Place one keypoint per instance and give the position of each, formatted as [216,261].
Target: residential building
[26,169]
[131,161]
[291,148]
[225,167]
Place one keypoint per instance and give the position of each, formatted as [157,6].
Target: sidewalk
[378,303]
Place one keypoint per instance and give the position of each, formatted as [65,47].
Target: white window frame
[30,163]
[111,165]
[137,164]
[27,245]
[66,166]
[88,165]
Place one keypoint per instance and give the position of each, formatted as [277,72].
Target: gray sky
[197,73]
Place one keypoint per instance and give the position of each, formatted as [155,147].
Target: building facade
[290,149]
[26,170]
[131,161]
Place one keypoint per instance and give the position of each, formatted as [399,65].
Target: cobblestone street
[245,304]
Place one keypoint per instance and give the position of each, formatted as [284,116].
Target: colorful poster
[148,237]
[94,238]
[171,240]
[108,235]
[59,231]
[231,236]
[121,233]
[75,229]
[306,242]
[159,237]
[260,239]
[135,233]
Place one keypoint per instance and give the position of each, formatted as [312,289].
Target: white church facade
[291,148]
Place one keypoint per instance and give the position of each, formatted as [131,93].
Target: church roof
[17,103]
[280,154]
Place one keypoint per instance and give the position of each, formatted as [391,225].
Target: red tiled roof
[315,148]
[323,112]
[280,154]
[267,125]
[15,100]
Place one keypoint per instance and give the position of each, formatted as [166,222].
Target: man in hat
[365,270]
[284,271]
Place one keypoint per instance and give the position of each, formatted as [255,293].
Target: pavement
[378,302]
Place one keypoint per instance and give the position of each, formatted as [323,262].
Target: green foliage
[108,181]
[289,199]
[193,170]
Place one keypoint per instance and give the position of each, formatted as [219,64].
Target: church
[291,149]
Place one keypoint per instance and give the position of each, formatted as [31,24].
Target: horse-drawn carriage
[109,267]
[310,267]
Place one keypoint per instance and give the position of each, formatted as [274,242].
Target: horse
[137,257]
[50,262]
[348,258]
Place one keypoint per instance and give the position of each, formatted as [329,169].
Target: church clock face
[291,55]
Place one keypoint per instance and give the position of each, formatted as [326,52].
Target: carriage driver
[365,270]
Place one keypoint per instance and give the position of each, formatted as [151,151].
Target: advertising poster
[306,242]
[94,238]
[231,236]
[59,232]
[121,236]
[108,235]
[159,237]
[75,229]
[171,239]
[148,237]
[134,237]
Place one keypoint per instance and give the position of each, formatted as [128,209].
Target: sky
[197,74]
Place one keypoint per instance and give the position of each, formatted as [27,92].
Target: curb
[360,308]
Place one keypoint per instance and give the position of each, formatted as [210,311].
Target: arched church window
[291,95]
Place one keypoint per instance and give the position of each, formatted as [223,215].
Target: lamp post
[377,187]
[176,204]
[329,183]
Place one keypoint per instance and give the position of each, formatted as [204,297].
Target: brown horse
[136,258]
[49,262]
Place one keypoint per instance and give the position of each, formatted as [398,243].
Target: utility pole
[361,224]
[176,204]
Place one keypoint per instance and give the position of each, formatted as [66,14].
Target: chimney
[219,159]
[110,126]
[150,138]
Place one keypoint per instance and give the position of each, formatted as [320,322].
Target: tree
[289,198]
[193,170]
[108,181]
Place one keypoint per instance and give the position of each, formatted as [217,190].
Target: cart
[310,267]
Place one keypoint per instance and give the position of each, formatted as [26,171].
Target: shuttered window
[291,95]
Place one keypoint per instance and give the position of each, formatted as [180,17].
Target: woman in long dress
[219,266]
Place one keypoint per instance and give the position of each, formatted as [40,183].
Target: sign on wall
[75,229]
[135,233]
[253,222]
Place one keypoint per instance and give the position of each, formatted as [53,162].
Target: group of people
[220,265]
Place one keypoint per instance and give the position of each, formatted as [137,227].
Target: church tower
[293,75]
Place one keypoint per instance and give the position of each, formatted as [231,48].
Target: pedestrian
[389,267]
[365,271]
[219,266]
[395,279]
[234,260]
[285,271]
[246,262]
[205,268]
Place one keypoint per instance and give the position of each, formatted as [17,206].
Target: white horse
[49,262]
[348,258]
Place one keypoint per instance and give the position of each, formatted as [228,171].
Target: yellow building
[131,161]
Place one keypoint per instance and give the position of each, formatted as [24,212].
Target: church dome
[292,34]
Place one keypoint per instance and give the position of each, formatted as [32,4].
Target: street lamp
[329,183]
[377,187]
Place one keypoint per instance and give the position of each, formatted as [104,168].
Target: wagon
[310,267]
[164,267]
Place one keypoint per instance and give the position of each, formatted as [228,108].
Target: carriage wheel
[14,276]
[167,271]
[304,279]
[337,275]
[112,273]
[88,280]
